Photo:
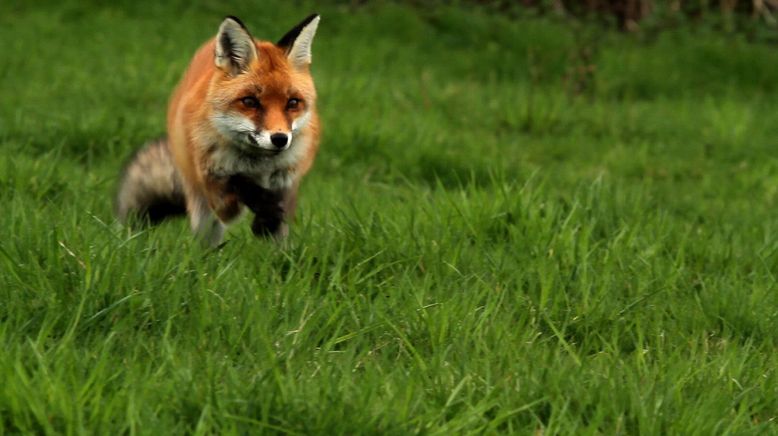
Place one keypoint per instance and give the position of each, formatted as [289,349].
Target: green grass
[479,247]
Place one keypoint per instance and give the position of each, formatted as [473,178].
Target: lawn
[516,224]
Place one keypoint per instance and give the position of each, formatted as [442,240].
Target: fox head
[262,95]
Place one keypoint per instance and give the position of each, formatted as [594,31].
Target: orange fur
[199,147]
[242,131]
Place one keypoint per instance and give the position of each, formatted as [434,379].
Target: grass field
[495,238]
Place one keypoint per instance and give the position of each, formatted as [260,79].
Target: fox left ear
[234,47]
[297,42]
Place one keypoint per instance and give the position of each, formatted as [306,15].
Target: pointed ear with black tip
[297,42]
[235,49]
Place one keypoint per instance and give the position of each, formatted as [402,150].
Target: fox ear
[297,42]
[235,48]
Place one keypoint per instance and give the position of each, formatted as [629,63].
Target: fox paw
[267,225]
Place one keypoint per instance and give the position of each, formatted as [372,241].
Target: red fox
[242,129]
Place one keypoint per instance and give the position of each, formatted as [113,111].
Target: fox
[242,131]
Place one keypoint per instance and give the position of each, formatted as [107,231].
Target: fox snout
[276,141]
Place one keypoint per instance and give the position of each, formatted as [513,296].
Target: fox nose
[279,139]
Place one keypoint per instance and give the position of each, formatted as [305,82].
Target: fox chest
[271,172]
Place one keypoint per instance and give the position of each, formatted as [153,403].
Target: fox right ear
[235,49]
[297,42]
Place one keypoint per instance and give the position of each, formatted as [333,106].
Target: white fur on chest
[271,172]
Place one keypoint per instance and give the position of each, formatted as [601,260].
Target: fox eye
[250,102]
[293,103]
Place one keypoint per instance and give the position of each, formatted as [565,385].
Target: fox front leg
[222,200]
[271,208]
[203,222]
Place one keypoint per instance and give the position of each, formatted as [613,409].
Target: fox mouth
[258,150]
[254,154]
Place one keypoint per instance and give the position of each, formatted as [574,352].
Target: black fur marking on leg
[267,205]
[267,224]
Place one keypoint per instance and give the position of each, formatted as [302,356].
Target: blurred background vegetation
[635,15]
